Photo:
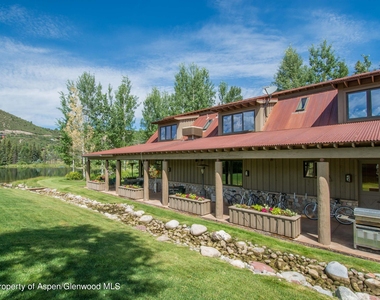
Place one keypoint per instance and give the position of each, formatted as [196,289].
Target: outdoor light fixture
[169,169]
[246,173]
[202,192]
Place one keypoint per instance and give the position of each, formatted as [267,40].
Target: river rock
[237,263]
[364,296]
[260,268]
[344,293]
[172,224]
[209,251]
[241,245]
[313,273]
[374,285]
[220,235]
[112,217]
[146,219]
[322,291]
[138,213]
[337,272]
[294,277]
[197,229]
[163,238]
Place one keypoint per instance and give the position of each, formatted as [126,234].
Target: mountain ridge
[11,124]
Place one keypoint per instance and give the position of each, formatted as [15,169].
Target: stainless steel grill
[367,228]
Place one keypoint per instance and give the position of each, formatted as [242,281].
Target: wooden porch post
[165,183]
[218,190]
[146,180]
[106,177]
[88,169]
[118,175]
[323,197]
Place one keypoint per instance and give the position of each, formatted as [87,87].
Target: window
[309,169]
[240,122]
[168,132]
[302,104]
[207,125]
[363,104]
[370,177]
[233,172]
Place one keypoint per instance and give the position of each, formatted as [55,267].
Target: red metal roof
[361,132]
[321,109]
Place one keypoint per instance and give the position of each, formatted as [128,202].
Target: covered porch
[272,169]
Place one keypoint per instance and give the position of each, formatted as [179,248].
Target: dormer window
[239,122]
[363,104]
[302,104]
[168,132]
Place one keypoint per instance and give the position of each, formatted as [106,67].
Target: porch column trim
[323,198]
[146,180]
[218,190]
[118,175]
[165,183]
[106,176]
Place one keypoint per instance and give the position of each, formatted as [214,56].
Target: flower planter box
[281,225]
[189,205]
[97,186]
[130,193]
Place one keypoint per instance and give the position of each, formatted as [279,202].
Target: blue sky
[45,43]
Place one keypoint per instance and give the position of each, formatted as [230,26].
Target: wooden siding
[286,175]
[275,175]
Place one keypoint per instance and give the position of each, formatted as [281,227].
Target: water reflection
[13,174]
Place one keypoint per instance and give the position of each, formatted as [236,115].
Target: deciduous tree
[193,90]
[292,72]
[155,107]
[228,95]
[362,67]
[123,115]
[324,64]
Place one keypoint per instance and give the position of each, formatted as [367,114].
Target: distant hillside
[10,124]
[22,142]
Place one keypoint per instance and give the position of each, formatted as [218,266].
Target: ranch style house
[273,143]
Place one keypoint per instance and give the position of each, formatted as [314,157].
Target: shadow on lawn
[78,255]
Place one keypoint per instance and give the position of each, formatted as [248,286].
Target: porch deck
[341,235]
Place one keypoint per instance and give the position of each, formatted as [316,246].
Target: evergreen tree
[292,73]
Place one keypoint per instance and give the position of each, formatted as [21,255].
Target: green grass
[77,187]
[45,241]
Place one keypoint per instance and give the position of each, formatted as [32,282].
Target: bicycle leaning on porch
[343,214]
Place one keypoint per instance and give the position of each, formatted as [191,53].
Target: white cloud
[34,23]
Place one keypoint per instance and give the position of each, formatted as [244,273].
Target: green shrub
[74,176]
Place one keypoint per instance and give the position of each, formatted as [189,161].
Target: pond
[12,174]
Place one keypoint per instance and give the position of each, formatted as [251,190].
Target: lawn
[46,243]
[77,187]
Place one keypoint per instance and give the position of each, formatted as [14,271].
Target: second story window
[168,132]
[302,104]
[363,104]
[239,122]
